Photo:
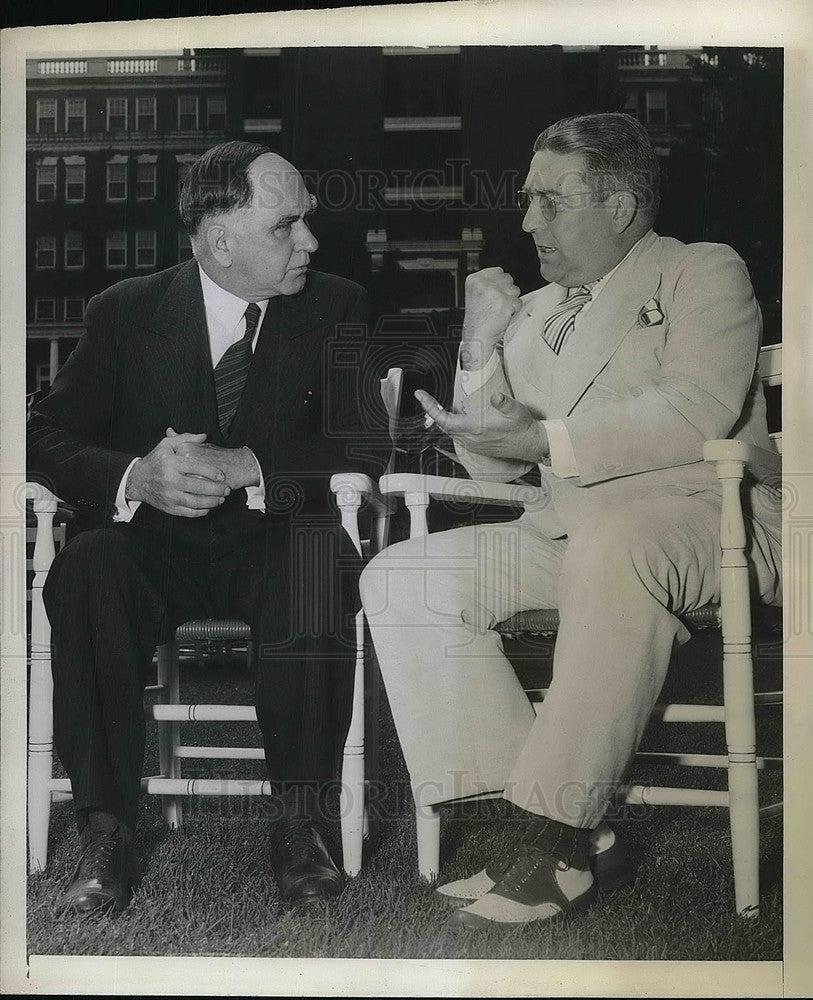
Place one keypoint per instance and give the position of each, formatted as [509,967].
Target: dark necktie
[232,370]
[559,325]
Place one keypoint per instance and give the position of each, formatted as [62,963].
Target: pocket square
[650,314]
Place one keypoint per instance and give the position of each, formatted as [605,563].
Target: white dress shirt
[560,448]
[226,324]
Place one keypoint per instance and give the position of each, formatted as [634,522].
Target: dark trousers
[115,593]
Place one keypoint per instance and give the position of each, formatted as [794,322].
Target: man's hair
[218,182]
[617,152]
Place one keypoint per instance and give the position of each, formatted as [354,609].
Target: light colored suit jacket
[664,360]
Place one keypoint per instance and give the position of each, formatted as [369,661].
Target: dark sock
[569,844]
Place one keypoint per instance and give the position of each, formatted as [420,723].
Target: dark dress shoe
[106,872]
[304,869]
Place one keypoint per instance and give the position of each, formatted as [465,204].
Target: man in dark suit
[190,430]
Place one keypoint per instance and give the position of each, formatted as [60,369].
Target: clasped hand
[504,428]
[185,476]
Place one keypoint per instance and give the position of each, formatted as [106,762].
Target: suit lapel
[606,324]
[180,353]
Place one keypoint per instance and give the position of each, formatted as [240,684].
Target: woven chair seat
[545,621]
[197,631]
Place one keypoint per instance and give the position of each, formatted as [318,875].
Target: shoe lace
[527,862]
[97,854]
[297,840]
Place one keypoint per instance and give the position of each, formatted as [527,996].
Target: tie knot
[252,315]
[580,291]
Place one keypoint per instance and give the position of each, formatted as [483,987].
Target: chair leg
[40,734]
[169,732]
[427,824]
[40,763]
[353,812]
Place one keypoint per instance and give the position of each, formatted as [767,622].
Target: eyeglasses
[548,204]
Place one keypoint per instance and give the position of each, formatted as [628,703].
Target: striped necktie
[559,325]
[232,370]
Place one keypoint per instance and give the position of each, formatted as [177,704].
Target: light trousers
[464,722]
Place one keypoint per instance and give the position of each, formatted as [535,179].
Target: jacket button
[636,391]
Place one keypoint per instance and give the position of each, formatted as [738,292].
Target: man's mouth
[542,248]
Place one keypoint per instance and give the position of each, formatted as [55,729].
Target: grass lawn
[208,890]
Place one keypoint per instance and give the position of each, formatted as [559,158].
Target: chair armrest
[417,491]
[351,490]
[762,463]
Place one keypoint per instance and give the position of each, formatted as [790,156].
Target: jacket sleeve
[493,470]
[700,391]
[68,431]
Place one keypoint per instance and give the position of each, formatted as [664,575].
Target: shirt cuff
[470,382]
[125,509]
[255,495]
[560,447]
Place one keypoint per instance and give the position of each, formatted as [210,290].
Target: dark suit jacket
[144,364]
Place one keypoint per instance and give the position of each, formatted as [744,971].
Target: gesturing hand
[492,298]
[183,485]
[504,429]
[238,465]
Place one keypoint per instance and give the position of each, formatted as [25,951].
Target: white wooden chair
[731,458]
[43,788]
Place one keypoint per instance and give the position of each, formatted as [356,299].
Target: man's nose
[306,241]
[533,218]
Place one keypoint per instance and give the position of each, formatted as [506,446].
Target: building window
[117,180]
[631,103]
[75,114]
[656,107]
[46,252]
[45,310]
[216,114]
[46,116]
[74,181]
[145,180]
[116,114]
[145,114]
[43,376]
[184,246]
[187,114]
[74,308]
[145,248]
[46,182]
[74,251]
[116,248]
[184,161]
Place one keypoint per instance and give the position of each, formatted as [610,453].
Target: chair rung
[204,786]
[214,629]
[203,713]
[702,759]
[660,795]
[768,698]
[226,753]
[688,713]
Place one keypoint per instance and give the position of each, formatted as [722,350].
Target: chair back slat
[770,364]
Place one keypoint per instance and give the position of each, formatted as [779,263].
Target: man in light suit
[610,378]
[190,429]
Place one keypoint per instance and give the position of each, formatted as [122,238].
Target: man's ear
[218,240]
[623,208]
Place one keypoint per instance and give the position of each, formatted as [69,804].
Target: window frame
[108,246]
[45,184]
[153,247]
[188,97]
[139,115]
[210,99]
[153,166]
[123,164]
[73,298]
[108,113]
[40,301]
[68,167]
[73,249]
[38,250]
[69,116]
[41,117]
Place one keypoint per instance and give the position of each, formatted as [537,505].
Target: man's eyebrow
[294,217]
